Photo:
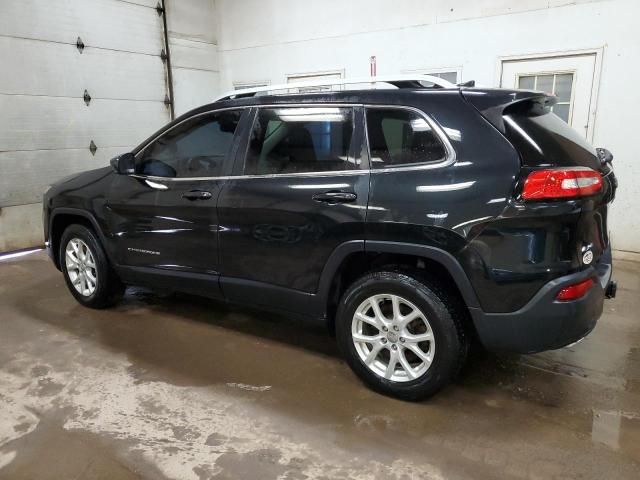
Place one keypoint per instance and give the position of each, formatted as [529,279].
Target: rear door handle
[197,195]
[335,197]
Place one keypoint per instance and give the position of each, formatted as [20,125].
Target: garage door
[81,81]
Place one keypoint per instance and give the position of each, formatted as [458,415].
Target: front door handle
[334,197]
[197,195]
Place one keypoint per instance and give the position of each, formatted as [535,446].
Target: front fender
[75,212]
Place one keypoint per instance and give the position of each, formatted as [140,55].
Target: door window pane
[562,110]
[299,140]
[527,83]
[558,84]
[401,137]
[314,77]
[448,76]
[545,83]
[563,87]
[243,85]
[195,148]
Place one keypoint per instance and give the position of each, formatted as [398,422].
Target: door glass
[314,77]
[243,85]
[299,140]
[558,84]
[401,137]
[195,148]
[448,76]
[563,87]
[527,82]
[544,83]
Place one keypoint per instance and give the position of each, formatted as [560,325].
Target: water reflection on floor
[180,387]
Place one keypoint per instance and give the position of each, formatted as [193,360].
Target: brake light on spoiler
[570,182]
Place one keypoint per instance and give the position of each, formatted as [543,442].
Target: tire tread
[449,308]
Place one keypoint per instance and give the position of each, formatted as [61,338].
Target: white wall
[194,56]
[268,39]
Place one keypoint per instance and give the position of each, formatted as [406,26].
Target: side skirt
[206,285]
[283,300]
[257,295]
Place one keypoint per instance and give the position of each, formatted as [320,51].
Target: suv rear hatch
[546,143]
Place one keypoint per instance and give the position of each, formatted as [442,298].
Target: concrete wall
[270,39]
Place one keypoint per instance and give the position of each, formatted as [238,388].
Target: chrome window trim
[450,154]
[448,160]
[240,177]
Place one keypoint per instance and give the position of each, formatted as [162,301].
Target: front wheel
[402,333]
[86,269]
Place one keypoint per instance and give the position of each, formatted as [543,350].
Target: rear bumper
[544,323]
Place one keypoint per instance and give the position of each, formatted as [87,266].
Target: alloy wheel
[393,338]
[81,267]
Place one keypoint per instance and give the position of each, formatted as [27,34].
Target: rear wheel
[402,333]
[86,269]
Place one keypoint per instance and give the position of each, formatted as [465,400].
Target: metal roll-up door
[81,81]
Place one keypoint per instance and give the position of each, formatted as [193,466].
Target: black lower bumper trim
[545,323]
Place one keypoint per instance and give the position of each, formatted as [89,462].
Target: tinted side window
[401,137]
[300,139]
[196,148]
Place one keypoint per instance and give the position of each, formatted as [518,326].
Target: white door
[46,127]
[570,78]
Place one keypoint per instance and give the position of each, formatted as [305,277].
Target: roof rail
[398,81]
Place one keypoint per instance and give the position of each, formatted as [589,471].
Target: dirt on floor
[170,386]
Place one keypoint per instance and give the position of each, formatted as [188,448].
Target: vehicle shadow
[183,336]
[288,367]
[309,335]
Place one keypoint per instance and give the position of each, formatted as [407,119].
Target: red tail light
[561,183]
[573,292]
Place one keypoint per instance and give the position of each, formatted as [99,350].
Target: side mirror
[124,164]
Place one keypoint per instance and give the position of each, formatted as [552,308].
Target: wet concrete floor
[185,388]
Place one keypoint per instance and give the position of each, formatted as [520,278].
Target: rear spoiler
[494,103]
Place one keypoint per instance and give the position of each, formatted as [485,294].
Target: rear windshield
[543,138]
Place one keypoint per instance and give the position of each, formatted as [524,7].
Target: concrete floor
[185,388]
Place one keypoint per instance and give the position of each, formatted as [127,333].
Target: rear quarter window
[399,137]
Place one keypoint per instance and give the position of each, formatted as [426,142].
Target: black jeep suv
[410,220]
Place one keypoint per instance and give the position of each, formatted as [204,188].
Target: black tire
[445,314]
[108,287]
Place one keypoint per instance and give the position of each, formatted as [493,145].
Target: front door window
[195,148]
